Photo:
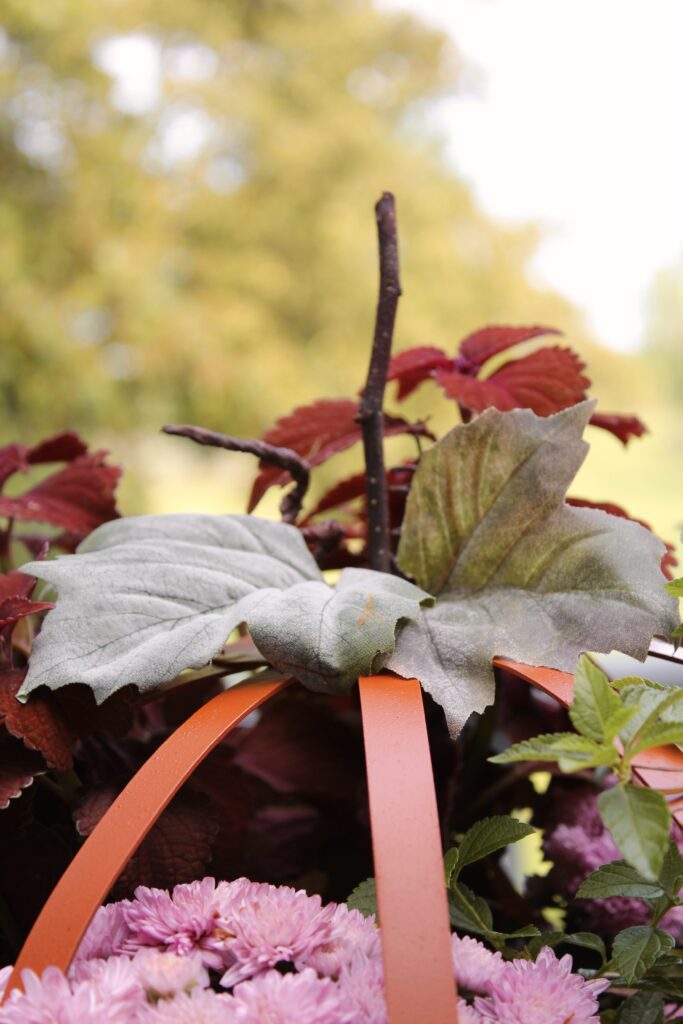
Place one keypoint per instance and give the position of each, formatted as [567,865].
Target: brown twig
[284,458]
[371,416]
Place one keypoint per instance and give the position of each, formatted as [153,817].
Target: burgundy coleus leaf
[15,604]
[38,723]
[176,849]
[669,559]
[415,365]
[317,432]
[545,381]
[77,498]
[18,768]
[64,447]
[481,345]
[339,495]
[623,427]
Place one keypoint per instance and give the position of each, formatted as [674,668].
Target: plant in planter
[473,553]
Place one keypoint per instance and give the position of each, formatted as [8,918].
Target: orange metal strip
[559,685]
[406,843]
[57,933]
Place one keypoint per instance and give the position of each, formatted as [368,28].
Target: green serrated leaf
[487,836]
[651,704]
[636,949]
[641,1008]
[596,707]
[153,595]
[517,571]
[675,587]
[469,911]
[639,820]
[450,861]
[364,898]
[585,940]
[571,751]
[657,735]
[618,879]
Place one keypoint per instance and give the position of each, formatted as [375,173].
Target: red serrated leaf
[350,489]
[415,365]
[177,848]
[623,427]
[18,768]
[669,559]
[13,457]
[545,381]
[38,722]
[64,447]
[15,584]
[77,498]
[479,346]
[317,432]
[15,608]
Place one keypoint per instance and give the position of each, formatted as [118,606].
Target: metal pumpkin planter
[405,832]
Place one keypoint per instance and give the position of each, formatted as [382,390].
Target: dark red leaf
[64,447]
[13,457]
[177,848]
[77,498]
[350,489]
[38,722]
[18,768]
[15,584]
[415,365]
[669,559]
[476,348]
[545,381]
[623,427]
[15,608]
[318,431]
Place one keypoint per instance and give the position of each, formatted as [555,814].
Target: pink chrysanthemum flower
[106,934]
[351,933]
[468,1014]
[544,992]
[115,983]
[476,967]
[276,925]
[361,987]
[192,918]
[201,1006]
[50,1000]
[165,974]
[5,975]
[275,998]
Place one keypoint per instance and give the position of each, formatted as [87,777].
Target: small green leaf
[487,836]
[675,587]
[657,735]
[651,704]
[586,940]
[671,878]
[571,751]
[642,1008]
[618,879]
[364,898]
[597,711]
[636,949]
[639,820]
[450,861]
[469,911]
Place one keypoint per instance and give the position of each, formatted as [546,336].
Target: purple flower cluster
[577,842]
[249,953]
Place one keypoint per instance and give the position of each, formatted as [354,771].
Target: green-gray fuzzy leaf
[636,949]
[516,571]
[618,879]
[149,596]
[596,711]
[639,820]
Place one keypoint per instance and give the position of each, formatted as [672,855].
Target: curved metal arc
[58,931]
[406,842]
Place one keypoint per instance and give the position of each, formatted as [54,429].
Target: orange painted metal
[559,685]
[57,933]
[406,843]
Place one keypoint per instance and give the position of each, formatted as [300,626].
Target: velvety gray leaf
[326,637]
[148,596]
[516,571]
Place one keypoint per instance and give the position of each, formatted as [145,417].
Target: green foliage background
[224,289]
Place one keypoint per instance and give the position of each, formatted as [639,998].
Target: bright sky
[574,120]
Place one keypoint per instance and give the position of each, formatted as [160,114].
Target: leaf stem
[371,416]
[285,458]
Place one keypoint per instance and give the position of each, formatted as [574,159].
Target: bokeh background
[186,226]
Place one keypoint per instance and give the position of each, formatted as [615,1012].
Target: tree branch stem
[371,415]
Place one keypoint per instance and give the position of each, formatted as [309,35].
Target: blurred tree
[186,224]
